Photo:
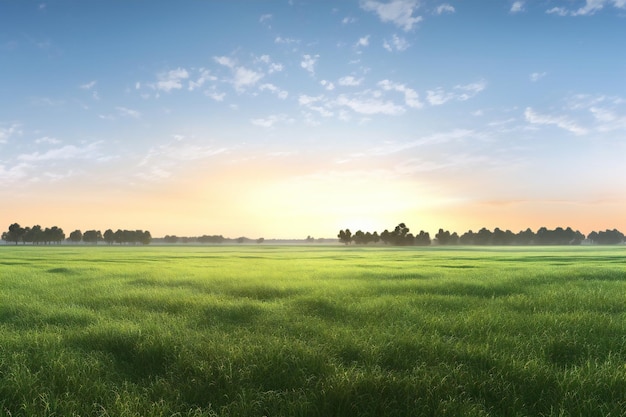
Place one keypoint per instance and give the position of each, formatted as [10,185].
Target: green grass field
[312,331]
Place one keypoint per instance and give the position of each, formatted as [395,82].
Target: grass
[312,331]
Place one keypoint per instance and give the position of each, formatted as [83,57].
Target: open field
[312,331]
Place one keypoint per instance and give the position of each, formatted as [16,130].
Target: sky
[284,119]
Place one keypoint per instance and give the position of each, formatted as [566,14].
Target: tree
[422,239]
[345,236]
[260,240]
[15,233]
[76,236]
[92,236]
[109,236]
[144,237]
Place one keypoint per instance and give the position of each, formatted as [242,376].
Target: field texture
[312,331]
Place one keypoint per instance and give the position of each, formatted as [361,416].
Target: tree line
[37,235]
[401,236]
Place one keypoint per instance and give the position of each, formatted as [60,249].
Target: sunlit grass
[312,331]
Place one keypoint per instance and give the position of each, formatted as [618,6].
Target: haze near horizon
[293,118]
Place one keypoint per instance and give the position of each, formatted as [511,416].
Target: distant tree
[170,239]
[92,236]
[76,236]
[386,237]
[483,237]
[241,239]
[211,239]
[359,238]
[53,234]
[310,239]
[423,238]
[401,235]
[260,240]
[14,234]
[467,238]
[525,237]
[445,238]
[345,236]
[607,237]
[34,235]
[109,236]
[144,237]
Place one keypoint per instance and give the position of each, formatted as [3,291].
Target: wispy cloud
[328,85]
[203,77]
[171,80]
[281,94]
[465,92]
[89,85]
[590,8]
[369,105]
[126,112]
[349,81]
[270,121]
[517,7]
[444,8]
[397,43]
[7,132]
[242,77]
[398,12]
[308,63]
[411,98]
[363,41]
[562,122]
[536,76]
[90,151]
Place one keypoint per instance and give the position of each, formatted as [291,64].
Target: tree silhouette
[345,236]
[76,236]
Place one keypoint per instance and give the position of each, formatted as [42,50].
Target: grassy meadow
[312,331]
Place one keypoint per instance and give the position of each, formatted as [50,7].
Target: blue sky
[296,118]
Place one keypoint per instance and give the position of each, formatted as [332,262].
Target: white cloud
[285,41]
[265,17]
[282,94]
[204,76]
[7,132]
[46,139]
[225,61]
[171,80]
[348,20]
[444,8]
[517,7]
[126,112]
[244,77]
[590,8]
[270,121]
[327,85]
[369,105]
[305,100]
[89,85]
[398,12]
[364,41]
[215,95]
[308,63]
[439,96]
[397,43]
[349,81]
[470,90]
[66,152]
[411,98]
[536,76]
[560,11]
[562,122]
[272,66]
